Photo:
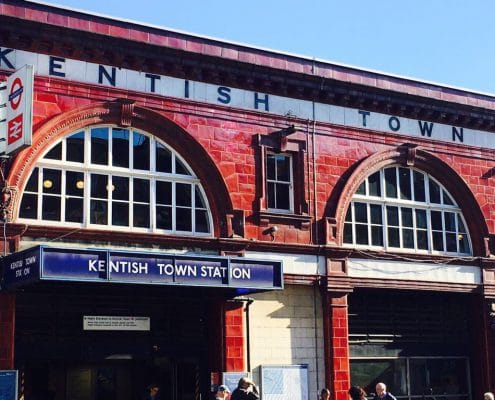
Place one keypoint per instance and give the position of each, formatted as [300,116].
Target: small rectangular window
[279,182]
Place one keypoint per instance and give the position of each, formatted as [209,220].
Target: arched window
[109,177]
[399,208]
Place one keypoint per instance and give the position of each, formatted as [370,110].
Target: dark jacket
[243,394]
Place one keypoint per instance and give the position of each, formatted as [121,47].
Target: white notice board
[284,382]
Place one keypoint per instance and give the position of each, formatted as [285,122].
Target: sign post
[16,130]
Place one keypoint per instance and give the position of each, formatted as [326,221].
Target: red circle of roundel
[16,93]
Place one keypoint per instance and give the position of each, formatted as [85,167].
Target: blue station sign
[103,265]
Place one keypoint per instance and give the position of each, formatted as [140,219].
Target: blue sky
[450,42]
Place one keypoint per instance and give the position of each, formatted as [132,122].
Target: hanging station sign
[17,103]
[95,265]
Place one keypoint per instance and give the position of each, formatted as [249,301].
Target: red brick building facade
[376,192]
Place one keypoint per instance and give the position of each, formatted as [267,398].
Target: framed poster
[284,382]
[231,379]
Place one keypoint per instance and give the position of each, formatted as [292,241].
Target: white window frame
[276,182]
[151,175]
[400,203]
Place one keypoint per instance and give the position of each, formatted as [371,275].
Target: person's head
[325,394]
[488,396]
[153,390]
[222,392]
[245,383]
[381,389]
[357,393]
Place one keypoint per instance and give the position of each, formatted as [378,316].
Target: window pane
[52,181]
[393,237]
[183,219]
[183,195]
[419,186]
[99,146]
[32,183]
[29,206]
[99,185]
[271,195]
[141,151]
[74,185]
[408,238]
[390,183]
[449,221]
[421,219]
[202,221]
[74,210]
[434,192]
[438,241]
[451,242]
[360,212]
[348,233]
[374,185]
[164,217]
[436,220]
[120,186]
[362,188]
[447,199]
[120,213]
[393,216]
[164,193]
[198,198]
[75,147]
[141,190]
[283,168]
[98,212]
[377,236]
[376,213]
[406,217]
[163,159]
[422,240]
[283,199]
[120,147]
[463,243]
[55,153]
[361,234]
[368,372]
[180,168]
[405,183]
[141,215]
[270,167]
[51,208]
[348,215]
[460,224]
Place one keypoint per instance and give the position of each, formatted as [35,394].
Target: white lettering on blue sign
[104,75]
[241,273]
[129,267]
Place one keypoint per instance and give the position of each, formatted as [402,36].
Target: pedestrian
[222,392]
[325,394]
[153,392]
[246,390]
[357,393]
[488,396]
[382,394]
